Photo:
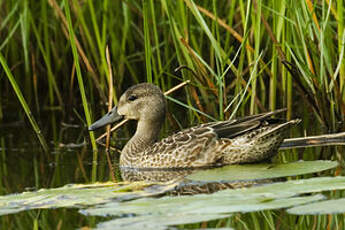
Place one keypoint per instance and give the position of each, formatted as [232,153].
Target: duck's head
[141,102]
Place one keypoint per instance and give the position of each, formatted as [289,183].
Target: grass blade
[82,89]
[24,104]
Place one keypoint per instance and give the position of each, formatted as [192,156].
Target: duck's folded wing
[226,130]
[233,128]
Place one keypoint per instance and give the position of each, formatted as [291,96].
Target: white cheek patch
[127,111]
[122,111]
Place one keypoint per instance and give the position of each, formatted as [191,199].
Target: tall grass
[248,57]
[82,89]
[24,104]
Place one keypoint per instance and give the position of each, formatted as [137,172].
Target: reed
[82,90]
[23,103]
[110,105]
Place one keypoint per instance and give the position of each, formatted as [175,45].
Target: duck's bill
[109,118]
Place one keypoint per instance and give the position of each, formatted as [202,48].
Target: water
[25,167]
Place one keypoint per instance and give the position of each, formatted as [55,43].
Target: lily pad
[323,207]
[266,197]
[261,171]
[158,222]
[76,196]
[291,188]
[197,205]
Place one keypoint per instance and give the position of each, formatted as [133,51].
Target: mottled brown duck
[245,140]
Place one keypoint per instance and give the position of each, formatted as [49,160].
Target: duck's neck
[146,134]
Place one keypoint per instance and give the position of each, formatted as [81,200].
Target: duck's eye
[132,98]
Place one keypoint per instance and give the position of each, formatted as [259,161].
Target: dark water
[25,167]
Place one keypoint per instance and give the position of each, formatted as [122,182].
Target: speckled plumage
[201,146]
[250,139]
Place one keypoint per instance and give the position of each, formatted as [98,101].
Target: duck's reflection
[155,174]
[185,187]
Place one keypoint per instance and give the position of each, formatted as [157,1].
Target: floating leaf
[271,196]
[292,187]
[198,204]
[157,222]
[323,207]
[261,171]
[166,211]
[75,196]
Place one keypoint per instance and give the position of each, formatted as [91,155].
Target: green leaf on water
[261,171]
[323,207]
[158,221]
[292,187]
[271,196]
[75,196]
[198,204]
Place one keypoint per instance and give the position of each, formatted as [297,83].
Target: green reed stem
[24,104]
[156,42]
[45,47]
[215,45]
[190,107]
[10,35]
[24,23]
[257,38]
[101,46]
[82,89]
[148,51]
[274,66]
[1,112]
[85,28]
[341,45]
[52,86]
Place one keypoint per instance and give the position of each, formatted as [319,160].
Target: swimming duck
[249,139]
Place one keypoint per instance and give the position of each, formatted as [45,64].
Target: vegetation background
[247,57]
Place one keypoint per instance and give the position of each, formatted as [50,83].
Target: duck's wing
[188,148]
[260,116]
[233,128]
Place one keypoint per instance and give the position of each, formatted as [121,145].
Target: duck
[249,139]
